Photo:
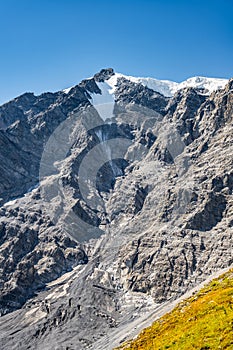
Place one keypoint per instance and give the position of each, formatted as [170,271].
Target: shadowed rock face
[89,249]
[26,123]
[104,74]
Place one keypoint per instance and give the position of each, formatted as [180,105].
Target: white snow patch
[104,102]
[66,91]
[8,204]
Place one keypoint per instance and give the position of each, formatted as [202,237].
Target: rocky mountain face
[109,210]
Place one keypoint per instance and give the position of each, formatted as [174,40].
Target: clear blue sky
[48,45]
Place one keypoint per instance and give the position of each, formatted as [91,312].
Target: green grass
[204,321]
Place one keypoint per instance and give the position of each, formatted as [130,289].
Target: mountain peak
[104,74]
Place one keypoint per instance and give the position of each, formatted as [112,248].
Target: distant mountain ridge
[167,87]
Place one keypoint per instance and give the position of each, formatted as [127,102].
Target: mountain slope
[121,203]
[203,321]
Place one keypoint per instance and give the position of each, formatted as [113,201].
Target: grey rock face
[128,92]
[90,85]
[26,124]
[33,252]
[104,74]
[81,259]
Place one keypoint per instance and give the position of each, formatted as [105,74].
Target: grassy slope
[204,321]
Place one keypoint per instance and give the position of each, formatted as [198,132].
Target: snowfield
[169,88]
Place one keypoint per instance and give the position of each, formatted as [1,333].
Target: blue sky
[48,45]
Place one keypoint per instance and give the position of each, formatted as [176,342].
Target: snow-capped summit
[169,88]
[106,82]
[208,84]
